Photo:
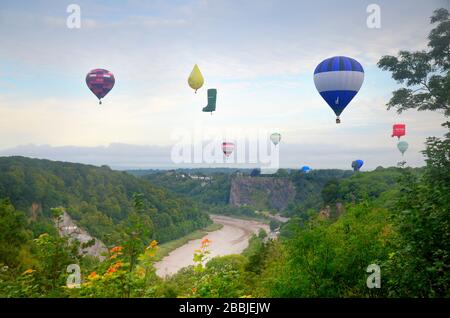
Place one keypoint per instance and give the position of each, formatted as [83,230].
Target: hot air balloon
[338,79]
[357,164]
[212,96]
[100,82]
[227,148]
[275,138]
[195,80]
[398,130]
[402,146]
[305,169]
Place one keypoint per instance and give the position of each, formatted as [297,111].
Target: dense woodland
[99,199]
[397,218]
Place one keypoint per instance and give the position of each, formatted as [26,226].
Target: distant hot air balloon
[398,130]
[305,169]
[357,164]
[100,82]
[195,80]
[338,79]
[402,146]
[275,138]
[212,96]
[227,148]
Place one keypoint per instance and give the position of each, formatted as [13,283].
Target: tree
[419,266]
[330,192]
[13,234]
[425,73]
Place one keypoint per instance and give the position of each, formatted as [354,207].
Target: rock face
[66,227]
[261,192]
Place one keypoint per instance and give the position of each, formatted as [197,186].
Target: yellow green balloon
[196,80]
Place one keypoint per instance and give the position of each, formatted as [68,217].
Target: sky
[260,55]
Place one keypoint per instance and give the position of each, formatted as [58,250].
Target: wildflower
[92,275]
[194,290]
[114,267]
[116,249]
[205,242]
[152,244]
[28,271]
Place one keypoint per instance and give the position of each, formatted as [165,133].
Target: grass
[166,248]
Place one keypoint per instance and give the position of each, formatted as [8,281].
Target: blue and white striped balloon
[338,79]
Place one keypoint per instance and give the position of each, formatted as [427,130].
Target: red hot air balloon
[100,82]
[227,148]
[398,130]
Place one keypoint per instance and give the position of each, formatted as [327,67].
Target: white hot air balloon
[275,138]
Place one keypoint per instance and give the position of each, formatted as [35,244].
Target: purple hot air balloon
[100,82]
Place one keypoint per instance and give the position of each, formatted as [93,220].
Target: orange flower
[92,275]
[113,256]
[116,249]
[113,268]
[205,242]
[194,290]
[28,271]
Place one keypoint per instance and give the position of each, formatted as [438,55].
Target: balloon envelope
[275,138]
[398,130]
[227,148]
[402,146]
[195,79]
[305,169]
[212,97]
[338,79]
[357,164]
[100,82]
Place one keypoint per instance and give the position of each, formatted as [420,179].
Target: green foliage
[363,185]
[13,233]
[224,277]
[328,259]
[206,189]
[425,73]
[420,265]
[98,199]
[309,189]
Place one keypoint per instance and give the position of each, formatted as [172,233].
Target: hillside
[216,188]
[97,198]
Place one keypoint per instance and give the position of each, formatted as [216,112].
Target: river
[232,238]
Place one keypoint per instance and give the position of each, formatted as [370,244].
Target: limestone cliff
[261,192]
[67,227]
